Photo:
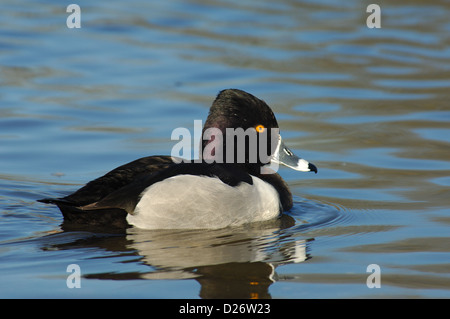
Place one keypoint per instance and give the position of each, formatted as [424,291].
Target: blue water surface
[368,106]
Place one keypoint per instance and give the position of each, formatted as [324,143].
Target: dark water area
[369,107]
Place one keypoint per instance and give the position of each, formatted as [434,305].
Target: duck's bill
[283,155]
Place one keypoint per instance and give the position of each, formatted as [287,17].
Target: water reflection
[237,262]
[228,263]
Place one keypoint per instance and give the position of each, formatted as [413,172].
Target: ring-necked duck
[226,187]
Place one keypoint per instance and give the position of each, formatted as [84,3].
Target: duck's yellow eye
[260,128]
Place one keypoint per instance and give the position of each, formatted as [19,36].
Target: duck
[231,183]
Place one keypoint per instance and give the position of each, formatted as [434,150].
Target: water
[368,106]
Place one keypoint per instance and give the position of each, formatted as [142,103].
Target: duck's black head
[236,108]
[242,129]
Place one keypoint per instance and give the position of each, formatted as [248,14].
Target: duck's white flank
[199,202]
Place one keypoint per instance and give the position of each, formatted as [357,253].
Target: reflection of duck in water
[156,193]
[233,262]
[236,262]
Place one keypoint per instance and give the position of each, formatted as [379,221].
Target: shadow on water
[236,262]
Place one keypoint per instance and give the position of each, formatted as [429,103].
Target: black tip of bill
[312,168]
